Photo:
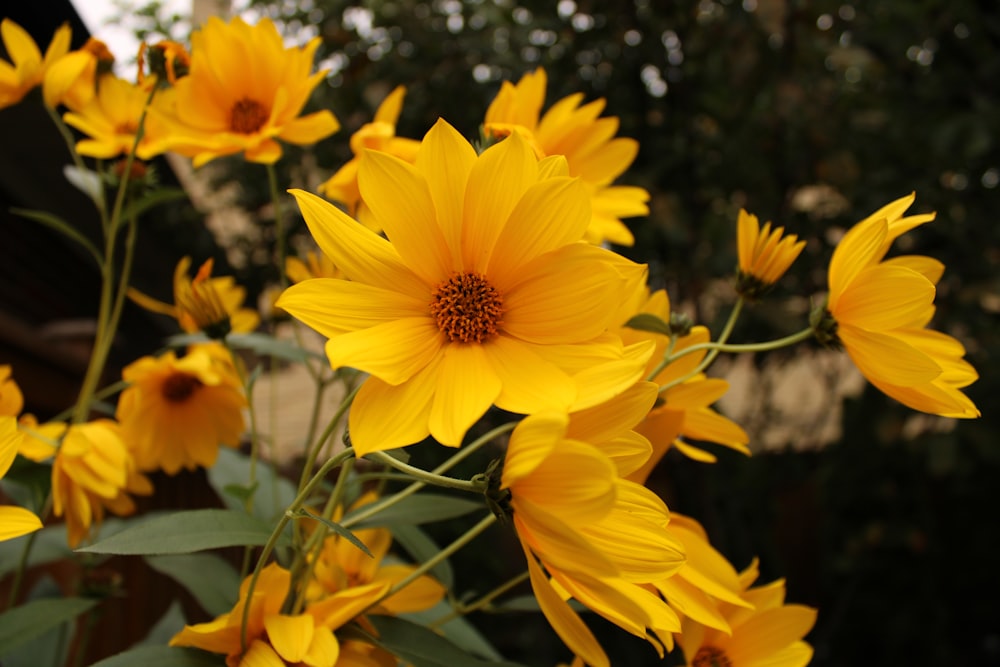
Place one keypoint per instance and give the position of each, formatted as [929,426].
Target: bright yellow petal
[384,416]
[529,383]
[445,159]
[310,128]
[290,635]
[768,631]
[884,297]
[332,306]
[392,351]
[856,251]
[885,358]
[17,521]
[467,385]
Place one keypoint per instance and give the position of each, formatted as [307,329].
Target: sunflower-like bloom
[111,120]
[11,398]
[176,412]
[72,80]
[765,632]
[244,91]
[204,303]
[483,293]
[380,135]
[764,255]
[878,310]
[684,406]
[272,637]
[93,472]
[315,265]
[585,140]
[599,538]
[28,67]
[14,521]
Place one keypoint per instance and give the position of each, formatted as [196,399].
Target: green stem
[100,394]
[428,477]
[727,330]
[315,447]
[67,136]
[463,609]
[664,362]
[279,224]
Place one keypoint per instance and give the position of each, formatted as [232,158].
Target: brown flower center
[178,387]
[247,116]
[467,308]
[711,656]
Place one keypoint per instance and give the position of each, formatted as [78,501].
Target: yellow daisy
[176,413]
[111,120]
[767,633]
[587,142]
[244,91]
[764,255]
[878,310]
[27,67]
[380,135]
[14,521]
[482,295]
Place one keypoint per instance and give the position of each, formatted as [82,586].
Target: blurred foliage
[808,113]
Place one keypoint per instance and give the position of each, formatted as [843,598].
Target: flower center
[178,387]
[247,116]
[467,308]
[710,656]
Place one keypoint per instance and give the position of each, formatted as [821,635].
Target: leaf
[170,624]
[269,346]
[271,495]
[212,581]
[648,322]
[421,508]
[161,195]
[459,630]
[50,647]
[337,528]
[61,226]
[22,624]
[86,181]
[49,545]
[422,647]
[419,545]
[184,533]
[162,656]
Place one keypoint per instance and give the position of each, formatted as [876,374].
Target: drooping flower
[244,91]
[879,310]
[483,294]
[767,633]
[14,521]
[27,67]
[204,303]
[176,413]
[380,135]
[588,143]
[599,538]
[72,80]
[111,120]
[11,398]
[764,255]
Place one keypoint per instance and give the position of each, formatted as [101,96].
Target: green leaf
[240,492]
[49,545]
[163,656]
[269,346]
[61,226]
[161,195]
[170,624]
[271,495]
[184,533]
[50,647]
[419,545]
[421,508]
[22,624]
[459,630]
[648,322]
[422,647]
[212,581]
[337,528]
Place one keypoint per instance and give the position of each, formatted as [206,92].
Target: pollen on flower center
[178,387]
[710,656]
[247,116]
[467,308]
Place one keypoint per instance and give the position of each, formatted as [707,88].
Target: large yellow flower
[483,293]
[27,67]
[244,91]
[176,412]
[111,120]
[380,135]
[765,632]
[585,140]
[14,521]
[879,311]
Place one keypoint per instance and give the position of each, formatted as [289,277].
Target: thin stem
[792,339]
[727,330]
[279,224]
[428,477]
[463,609]
[317,446]
[67,136]
[665,361]
[103,393]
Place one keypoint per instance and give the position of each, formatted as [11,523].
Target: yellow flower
[244,91]
[111,120]
[168,61]
[767,634]
[764,255]
[483,293]
[72,79]
[11,398]
[212,305]
[93,472]
[316,265]
[585,140]
[600,538]
[176,412]
[684,409]
[27,67]
[14,521]
[878,310]
[380,135]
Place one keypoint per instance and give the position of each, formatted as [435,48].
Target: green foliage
[33,619]
[212,581]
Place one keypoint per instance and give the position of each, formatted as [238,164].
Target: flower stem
[727,330]
[463,609]
[766,346]
[279,224]
[428,477]
[317,446]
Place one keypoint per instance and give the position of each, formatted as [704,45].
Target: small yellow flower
[587,142]
[168,61]
[11,398]
[14,521]
[177,412]
[244,91]
[27,67]
[764,255]
[878,310]
[111,120]
[380,135]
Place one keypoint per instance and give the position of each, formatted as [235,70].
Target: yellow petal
[310,128]
[856,251]
[324,650]
[886,358]
[290,635]
[884,297]
[392,351]
[613,418]
[422,593]
[17,521]
[768,631]
[529,383]
[445,159]
[332,306]
[384,416]
[467,385]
